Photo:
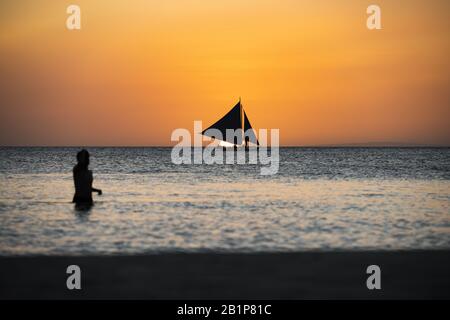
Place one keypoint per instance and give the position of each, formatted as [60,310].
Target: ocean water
[321,198]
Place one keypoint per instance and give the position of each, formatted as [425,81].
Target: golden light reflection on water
[141,213]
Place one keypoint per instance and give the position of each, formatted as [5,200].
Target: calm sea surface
[322,198]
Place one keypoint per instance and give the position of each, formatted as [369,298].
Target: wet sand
[299,275]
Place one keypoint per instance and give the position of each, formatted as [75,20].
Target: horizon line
[343,145]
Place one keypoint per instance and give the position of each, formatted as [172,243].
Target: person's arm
[99,191]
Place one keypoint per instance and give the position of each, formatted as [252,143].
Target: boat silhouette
[236,119]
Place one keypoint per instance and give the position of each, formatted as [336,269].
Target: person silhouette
[83,178]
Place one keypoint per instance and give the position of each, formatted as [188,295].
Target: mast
[242,120]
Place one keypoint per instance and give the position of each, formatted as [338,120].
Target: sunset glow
[138,70]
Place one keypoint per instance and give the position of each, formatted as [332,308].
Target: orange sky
[139,69]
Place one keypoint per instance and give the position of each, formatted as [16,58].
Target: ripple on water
[321,199]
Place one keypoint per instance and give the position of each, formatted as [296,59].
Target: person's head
[83,158]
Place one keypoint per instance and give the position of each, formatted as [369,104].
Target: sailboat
[235,119]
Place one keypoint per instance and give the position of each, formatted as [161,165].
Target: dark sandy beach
[301,275]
